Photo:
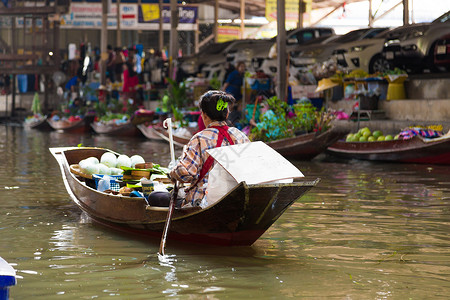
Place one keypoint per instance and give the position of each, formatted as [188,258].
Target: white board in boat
[254,163]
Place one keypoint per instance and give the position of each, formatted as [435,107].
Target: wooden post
[14,49]
[173,46]
[118,33]
[104,42]
[196,37]
[216,20]
[405,12]
[301,10]
[161,30]
[281,50]
[242,16]
[370,14]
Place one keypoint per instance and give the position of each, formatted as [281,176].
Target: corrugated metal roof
[258,7]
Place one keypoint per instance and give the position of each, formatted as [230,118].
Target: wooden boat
[239,218]
[38,122]
[113,129]
[150,132]
[79,126]
[178,140]
[414,150]
[308,145]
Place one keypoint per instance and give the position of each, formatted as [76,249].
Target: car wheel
[379,64]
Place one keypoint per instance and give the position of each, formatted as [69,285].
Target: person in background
[130,78]
[195,163]
[119,60]
[111,64]
[228,69]
[233,86]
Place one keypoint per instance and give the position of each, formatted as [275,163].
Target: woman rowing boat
[195,163]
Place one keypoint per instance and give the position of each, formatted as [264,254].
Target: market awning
[258,7]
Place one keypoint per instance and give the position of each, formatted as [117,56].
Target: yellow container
[396,91]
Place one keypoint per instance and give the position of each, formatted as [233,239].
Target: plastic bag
[104,183]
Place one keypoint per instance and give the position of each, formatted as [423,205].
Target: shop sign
[228,33]
[87,15]
[291,9]
[149,13]
[132,16]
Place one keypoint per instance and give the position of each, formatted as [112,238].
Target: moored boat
[79,125]
[178,140]
[414,150]
[150,132]
[307,146]
[115,129]
[238,218]
[37,122]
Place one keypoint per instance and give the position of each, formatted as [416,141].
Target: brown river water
[367,231]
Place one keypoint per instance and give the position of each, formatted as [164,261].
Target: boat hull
[307,146]
[126,129]
[239,218]
[414,150]
[150,132]
[39,124]
[80,126]
[177,140]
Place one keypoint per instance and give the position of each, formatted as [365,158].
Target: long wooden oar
[168,124]
[173,200]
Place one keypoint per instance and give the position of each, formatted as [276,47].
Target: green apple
[377,133]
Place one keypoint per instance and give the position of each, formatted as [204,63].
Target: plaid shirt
[194,156]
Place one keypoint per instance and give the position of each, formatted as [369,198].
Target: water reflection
[368,231]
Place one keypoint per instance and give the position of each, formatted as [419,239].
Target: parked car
[191,65]
[363,54]
[216,70]
[294,38]
[315,53]
[412,47]
[246,50]
[300,36]
[442,52]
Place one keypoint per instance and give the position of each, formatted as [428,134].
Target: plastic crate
[114,184]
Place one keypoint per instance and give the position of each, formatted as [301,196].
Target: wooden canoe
[39,123]
[414,150]
[308,145]
[79,126]
[179,141]
[124,129]
[150,132]
[239,218]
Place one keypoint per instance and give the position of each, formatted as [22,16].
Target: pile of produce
[365,135]
[114,118]
[284,121]
[120,174]
[109,164]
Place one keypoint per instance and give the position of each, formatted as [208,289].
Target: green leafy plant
[274,124]
[284,121]
[215,83]
[179,117]
[177,94]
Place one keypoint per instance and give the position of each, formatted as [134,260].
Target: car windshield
[216,47]
[352,35]
[443,19]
